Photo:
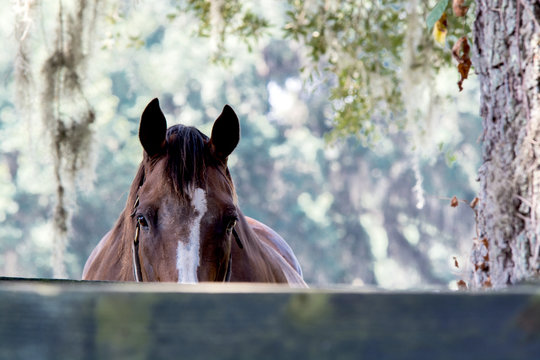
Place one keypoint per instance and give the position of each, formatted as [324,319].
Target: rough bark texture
[507,59]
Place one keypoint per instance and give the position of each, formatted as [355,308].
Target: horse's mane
[186,161]
[186,158]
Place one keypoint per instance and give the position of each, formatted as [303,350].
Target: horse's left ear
[153,129]
[225,133]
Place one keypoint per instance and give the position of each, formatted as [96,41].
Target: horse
[182,222]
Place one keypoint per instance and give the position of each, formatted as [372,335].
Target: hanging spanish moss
[24,82]
[417,77]
[67,115]
[65,112]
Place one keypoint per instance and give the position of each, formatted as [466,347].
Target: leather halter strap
[135,252]
[229,265]
[237,238]
[137,273]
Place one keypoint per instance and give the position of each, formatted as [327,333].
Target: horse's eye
[142,221]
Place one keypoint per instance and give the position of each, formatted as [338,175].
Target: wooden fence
[90,320]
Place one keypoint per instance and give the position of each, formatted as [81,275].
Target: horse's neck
[259,262]
[115,254]
[124,241]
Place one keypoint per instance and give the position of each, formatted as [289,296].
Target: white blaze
[187,254]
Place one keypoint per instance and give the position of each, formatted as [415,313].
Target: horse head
[182,215]
[184,202]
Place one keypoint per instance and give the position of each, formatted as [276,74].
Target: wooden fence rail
[89,320]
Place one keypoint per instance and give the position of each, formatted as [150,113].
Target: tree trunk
[506,56]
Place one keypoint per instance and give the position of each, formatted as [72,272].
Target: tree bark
[506,56]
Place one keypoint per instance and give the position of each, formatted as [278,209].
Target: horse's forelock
[186,160]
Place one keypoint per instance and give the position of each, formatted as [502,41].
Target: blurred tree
[371,84]
[375,53]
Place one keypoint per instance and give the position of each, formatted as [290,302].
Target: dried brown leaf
[459,8]
[485,242]
[460,52]
[454,202]
[456,264]
[462,285]
[474,202]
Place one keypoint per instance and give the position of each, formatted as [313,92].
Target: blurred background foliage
[354,136]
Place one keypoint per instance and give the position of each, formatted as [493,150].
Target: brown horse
[182,222]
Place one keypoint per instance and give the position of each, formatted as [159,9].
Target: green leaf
[451,158]
[436,13]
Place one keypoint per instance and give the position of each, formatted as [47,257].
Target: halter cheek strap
[237,238]
[137,274]
[229,265]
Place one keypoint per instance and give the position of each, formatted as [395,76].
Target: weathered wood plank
[72,320]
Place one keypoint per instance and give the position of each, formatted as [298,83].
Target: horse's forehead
[159,186]
[218,184]
[158,183]
[175,208]
[198,201]
[156,179]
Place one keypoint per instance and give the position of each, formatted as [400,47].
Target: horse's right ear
[225,133]
[153,129]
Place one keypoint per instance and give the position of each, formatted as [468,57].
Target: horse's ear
[153,129]
[225,133]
